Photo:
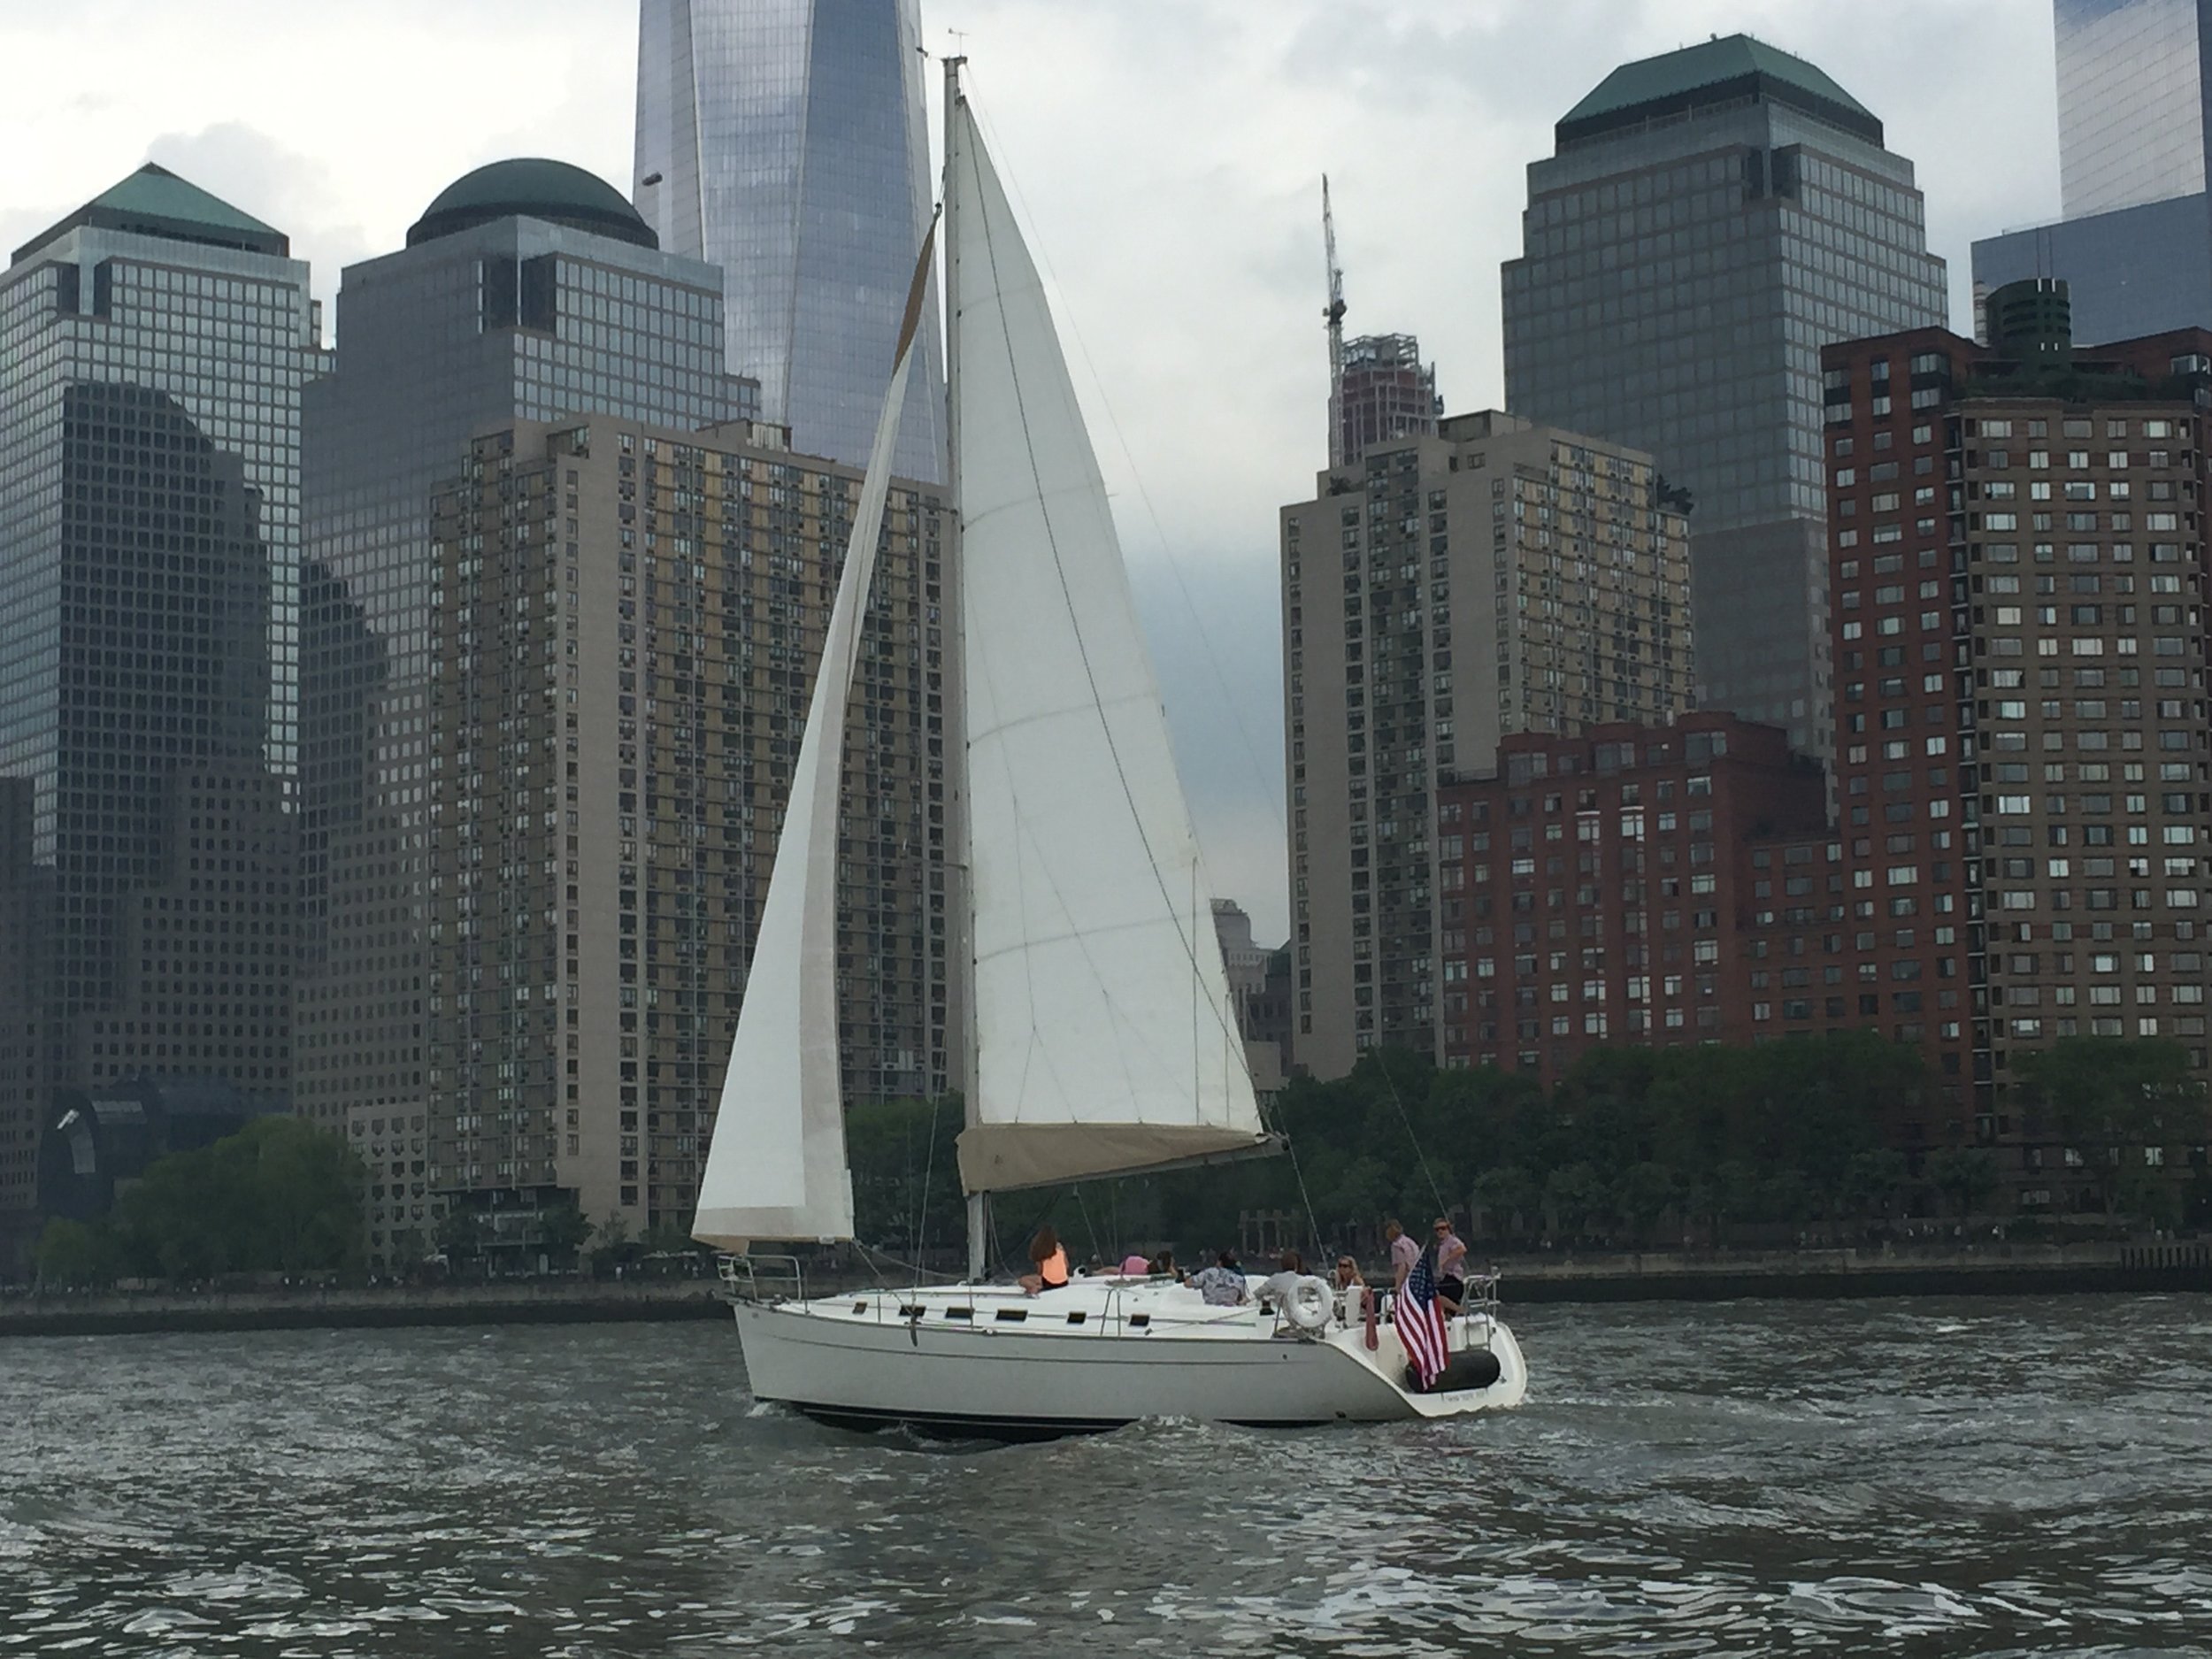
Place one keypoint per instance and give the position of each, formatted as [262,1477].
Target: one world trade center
[787,141]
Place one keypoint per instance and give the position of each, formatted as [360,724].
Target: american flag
[1420,1319]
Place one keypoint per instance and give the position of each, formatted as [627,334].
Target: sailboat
[1098,1036]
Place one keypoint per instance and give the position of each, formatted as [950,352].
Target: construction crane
[1332,314]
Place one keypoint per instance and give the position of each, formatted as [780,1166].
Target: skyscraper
[609,796]
[2021,732]
[21,1107]
[1710,219]
[787,141]
[1497,577]
[2131,110]
[2135,242]
[153,346]
[527,290]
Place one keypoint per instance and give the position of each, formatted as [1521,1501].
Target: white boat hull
[988,1359]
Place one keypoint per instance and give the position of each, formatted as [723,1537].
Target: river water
[1981,1477]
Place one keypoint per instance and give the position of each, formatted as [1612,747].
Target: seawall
[523,1302]
[1994,1270]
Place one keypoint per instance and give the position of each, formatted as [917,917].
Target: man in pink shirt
[1403,1253]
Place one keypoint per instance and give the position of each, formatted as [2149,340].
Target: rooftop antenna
[1332,314]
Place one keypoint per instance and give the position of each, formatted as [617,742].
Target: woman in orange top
[1049,1260]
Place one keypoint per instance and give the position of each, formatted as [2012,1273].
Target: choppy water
[1971,1476]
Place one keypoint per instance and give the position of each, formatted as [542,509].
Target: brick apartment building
[1611,886]
[2017,570]
[2020,793]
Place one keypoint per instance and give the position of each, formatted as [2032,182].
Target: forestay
[1105,1041]
[777,1167]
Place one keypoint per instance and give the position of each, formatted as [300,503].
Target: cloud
[259,174]
[1167,154]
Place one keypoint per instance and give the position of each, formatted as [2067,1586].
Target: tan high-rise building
[1447,590]
[627,625]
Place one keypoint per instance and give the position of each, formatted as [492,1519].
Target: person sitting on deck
[1049,1260]
[1221,1285]
[1350,1287]
[1291,1267]
[1163,1266]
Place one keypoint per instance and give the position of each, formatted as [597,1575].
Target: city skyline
[1232,186]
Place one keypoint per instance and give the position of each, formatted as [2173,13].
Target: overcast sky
[1168,154]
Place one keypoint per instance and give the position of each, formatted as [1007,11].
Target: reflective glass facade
[2131,102]
[1678,278]
[514,318]
[789,143]
[2136,271]
[150,548]
[149,539]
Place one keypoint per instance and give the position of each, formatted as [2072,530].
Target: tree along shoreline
[1835,1139]
[1841,1139]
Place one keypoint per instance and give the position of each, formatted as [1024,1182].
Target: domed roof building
[533,187]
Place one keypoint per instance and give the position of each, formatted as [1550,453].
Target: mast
[1332,314]
[960,944]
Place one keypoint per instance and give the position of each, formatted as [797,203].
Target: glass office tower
[1708,221]
[153,346]
[2131,102]
[2135,270]
[786,141]
[529,291]
[2135,245]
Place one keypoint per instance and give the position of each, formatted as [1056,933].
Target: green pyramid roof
[154,201]
[1717,71]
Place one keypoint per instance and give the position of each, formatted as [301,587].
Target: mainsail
[1105,1038]
[775,1169]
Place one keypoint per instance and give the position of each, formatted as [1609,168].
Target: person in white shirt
[1291,1268]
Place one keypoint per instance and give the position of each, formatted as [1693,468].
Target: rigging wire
[1269,786]
[916,1268]
[1313,1222]
[929,1167]
[1404,1118]
[1097,1251]
[1082,648]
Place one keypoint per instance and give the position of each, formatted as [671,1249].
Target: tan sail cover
[776,1168]
[1105,1041]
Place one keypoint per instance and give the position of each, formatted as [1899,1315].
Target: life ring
[1310,1305]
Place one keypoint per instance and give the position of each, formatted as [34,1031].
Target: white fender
[1310,1305]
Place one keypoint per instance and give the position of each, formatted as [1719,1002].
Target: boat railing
[1481,1299]
[762,1278]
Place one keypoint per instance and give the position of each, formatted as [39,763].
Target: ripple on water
[1993,1476]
